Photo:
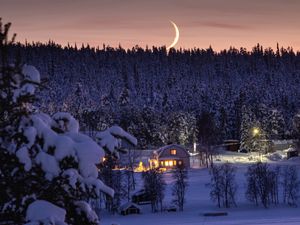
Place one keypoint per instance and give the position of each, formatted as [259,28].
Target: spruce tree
[13,107]
[44,160]
[180,176]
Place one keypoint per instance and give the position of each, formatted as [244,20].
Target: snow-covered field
[198,202]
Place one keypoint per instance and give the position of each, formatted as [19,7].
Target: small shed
[231,145]
[130,208]
[291,152]
[281,145]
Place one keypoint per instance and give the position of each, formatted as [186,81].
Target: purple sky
[220,23]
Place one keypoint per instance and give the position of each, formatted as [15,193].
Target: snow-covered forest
[55,171]
[169,95]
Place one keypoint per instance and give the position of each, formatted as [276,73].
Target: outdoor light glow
[255,131]
[140,168]
[154,163]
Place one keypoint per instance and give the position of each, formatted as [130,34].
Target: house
[291,152]
[171,156]
[231,145]
[280,145]
[135,157]
[130,208]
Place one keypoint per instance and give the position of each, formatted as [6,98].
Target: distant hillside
[164,97]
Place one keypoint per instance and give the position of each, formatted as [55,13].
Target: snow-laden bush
[45,162]
[50,214]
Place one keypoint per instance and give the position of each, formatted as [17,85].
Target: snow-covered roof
[175,146]
[142,191]
[140,153]
[291,149]
[285,141]
[128,205]
[169,147]
[136,156]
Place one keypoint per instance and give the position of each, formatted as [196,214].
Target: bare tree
[262,184]
[205,155]
[252,189]
[229,185]
[274,178]
[215,184]
[129,182]
[180,176]
[206,134]
[223,185]
[154,187]
[290,185]
[129,177]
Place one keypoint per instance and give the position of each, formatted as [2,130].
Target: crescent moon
[176,36]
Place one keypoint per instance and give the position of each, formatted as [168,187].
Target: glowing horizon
[203,23]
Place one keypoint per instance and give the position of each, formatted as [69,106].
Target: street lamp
[255,131]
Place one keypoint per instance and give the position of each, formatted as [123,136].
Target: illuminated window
[173,152]
[175,162]
[167,163]
[162,163]
[179,162]
[170,163]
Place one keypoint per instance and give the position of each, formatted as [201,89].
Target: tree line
[266,185]
[147,89]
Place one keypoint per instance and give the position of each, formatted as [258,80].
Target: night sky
[219,23]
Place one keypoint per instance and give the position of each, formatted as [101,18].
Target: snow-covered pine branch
[45,162]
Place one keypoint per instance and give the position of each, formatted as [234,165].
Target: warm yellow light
[167,163]
[173,152]
[162,169]
[140,168]
[255,131]
[153,163]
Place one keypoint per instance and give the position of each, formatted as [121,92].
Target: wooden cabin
[130,208]
[231,145]
[291,152]
[171,156]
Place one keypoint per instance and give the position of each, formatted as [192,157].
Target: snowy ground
[198,202]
